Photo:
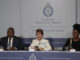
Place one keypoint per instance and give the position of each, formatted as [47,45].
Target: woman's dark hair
[76,27]
[40,31]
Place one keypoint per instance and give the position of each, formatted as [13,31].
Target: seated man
[11,42]
[40,44]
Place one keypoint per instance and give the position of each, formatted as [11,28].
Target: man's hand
[12,48]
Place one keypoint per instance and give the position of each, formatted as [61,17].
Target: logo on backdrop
[32,57]
[48,10]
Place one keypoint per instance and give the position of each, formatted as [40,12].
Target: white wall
[78,11]
[19,14]
[9,16]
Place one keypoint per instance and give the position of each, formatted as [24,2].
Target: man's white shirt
[11,41]
[43,43]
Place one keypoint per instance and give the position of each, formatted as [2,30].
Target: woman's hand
[36,48]
[41,49]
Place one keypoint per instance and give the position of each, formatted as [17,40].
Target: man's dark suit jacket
[17,42]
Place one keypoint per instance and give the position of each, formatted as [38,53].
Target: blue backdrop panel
[39,55]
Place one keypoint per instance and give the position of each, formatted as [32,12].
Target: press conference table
[51,55]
